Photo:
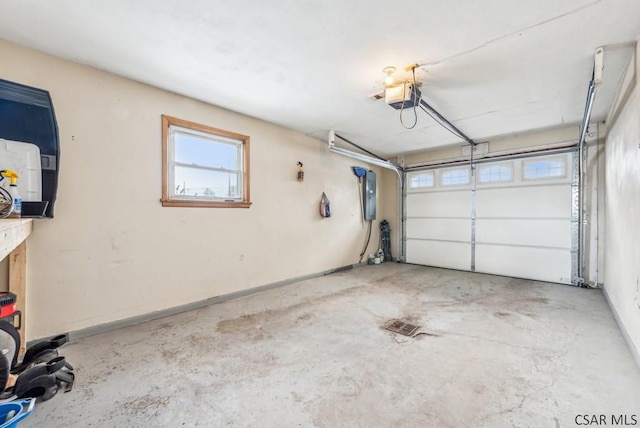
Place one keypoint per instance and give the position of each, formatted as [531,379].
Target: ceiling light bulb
[388,80]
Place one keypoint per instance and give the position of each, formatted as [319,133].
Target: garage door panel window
[455,177]
[204,166]
[499,173]
[421,180]
[540,169]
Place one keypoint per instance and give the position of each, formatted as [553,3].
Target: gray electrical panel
[369,195]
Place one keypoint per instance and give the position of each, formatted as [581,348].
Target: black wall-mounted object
[369,195]
[26,114]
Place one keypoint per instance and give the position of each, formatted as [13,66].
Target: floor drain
[401,327]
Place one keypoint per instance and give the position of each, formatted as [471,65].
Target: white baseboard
[635,352]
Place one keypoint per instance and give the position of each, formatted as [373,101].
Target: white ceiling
[492,67]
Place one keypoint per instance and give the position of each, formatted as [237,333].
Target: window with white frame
[495,173]
[204,166]
[535,169]
[421,180]
[455,176]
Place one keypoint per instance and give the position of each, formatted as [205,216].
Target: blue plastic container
[21,409]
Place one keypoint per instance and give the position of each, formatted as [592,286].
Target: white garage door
[516,217]
[438,227]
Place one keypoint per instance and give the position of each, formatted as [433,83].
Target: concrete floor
[502,352]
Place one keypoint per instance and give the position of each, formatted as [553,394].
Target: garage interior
[500,141]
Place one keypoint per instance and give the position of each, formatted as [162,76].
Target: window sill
[203,204]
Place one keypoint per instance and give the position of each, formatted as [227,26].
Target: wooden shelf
[14,234]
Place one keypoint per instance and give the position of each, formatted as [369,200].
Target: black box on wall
[369,196]
[27,115]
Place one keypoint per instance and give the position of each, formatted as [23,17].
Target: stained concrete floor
[501,352]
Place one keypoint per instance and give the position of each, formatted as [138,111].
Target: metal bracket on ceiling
[598,65]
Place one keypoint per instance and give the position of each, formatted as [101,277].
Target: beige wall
[622,201]
[113,252]
[390,204]
[502,145]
